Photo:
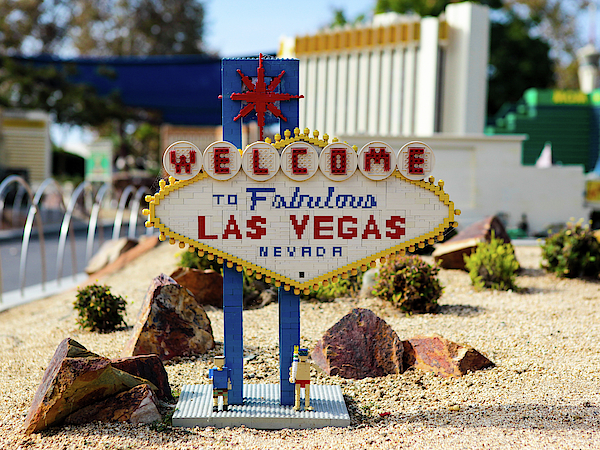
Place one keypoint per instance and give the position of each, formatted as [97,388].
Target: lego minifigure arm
[317,368]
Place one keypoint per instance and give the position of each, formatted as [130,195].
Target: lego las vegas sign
[300,210]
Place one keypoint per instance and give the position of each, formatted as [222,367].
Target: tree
[518,61]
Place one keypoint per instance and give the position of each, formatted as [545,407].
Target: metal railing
[77,205]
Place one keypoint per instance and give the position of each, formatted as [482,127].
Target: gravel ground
[543,393]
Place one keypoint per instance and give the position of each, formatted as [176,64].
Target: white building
[403,78]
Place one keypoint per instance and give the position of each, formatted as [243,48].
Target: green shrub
[98,309]
[493,265]
[410,284]
[193,261]
[572,252]
[341,288]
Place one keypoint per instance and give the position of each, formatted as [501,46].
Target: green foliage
[98,309]
[193,261]
[341,288]
[493,265]
[572,252]
[410,284]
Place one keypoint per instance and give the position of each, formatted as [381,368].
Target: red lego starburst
[260,97]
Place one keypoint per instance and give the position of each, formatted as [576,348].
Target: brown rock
[206,285]
[137,405]
[360,345]
[148,367]
[443,357]
[450,254]
[170,323]
[74,378]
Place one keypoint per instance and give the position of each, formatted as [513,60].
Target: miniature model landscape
[542,389]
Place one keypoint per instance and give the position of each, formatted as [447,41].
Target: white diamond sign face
[302,233]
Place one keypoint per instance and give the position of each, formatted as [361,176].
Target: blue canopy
[184,89]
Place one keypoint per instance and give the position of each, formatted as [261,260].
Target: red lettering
[254,222]
[202,229]
[256,163]
[371,228]
[350,232]
[296,169]
[377,155]
[414,160]
[299,227]
[232,228]
[219,160]
[339,161]
[319,228]
[397,231]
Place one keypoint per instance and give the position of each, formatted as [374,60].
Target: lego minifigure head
[219,362]
[303,354]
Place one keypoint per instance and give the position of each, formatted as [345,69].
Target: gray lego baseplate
[261,409]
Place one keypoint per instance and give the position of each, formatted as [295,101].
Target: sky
[248,27]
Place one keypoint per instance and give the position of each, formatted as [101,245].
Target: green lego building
[569,120]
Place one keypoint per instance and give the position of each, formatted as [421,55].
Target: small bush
[493,265]
[572,252]
[341,288]
[98,309]
[410,284]
[193,261]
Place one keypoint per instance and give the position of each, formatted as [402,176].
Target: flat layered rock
[75,378]
[360,345]
[443,357]
[170,323]
[148,367]
[137,405]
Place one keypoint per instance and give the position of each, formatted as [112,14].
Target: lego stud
[334,279]
[162,184]
[148,224]
[181,244]
[267,279]
[200,253]
[191,249]
[210,256]
[149,198]
[239,268]
[440,237]
[430,241]
[277,137]
[306,132]
[286,287]
[382,260]
[455,224]
[354,271]
[315,287]
[171,180]
[172,241]
[277,283]
[146,212]
[334,140]
[268,140]
[411,248]
[297,291]
[345,276]
[402,252]
[441,183]
[162,237]
[457,212]
[229,264]
[432,179]
[363,267]
[372,264]
[355,148]
[258,275]
[325,283]
[421,244]
[326,137]
[219,260]
[316,134]
[288,133]
[249,272]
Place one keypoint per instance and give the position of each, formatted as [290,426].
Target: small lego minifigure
[221,378]
[300,375]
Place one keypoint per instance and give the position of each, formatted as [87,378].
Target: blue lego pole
[289,335]
[233,331]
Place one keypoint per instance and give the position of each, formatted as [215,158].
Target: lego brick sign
[301,210]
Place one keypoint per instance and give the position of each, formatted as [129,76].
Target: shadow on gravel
[460,310]
[522,416]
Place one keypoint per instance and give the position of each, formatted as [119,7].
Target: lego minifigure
[221,378]
[300,375]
